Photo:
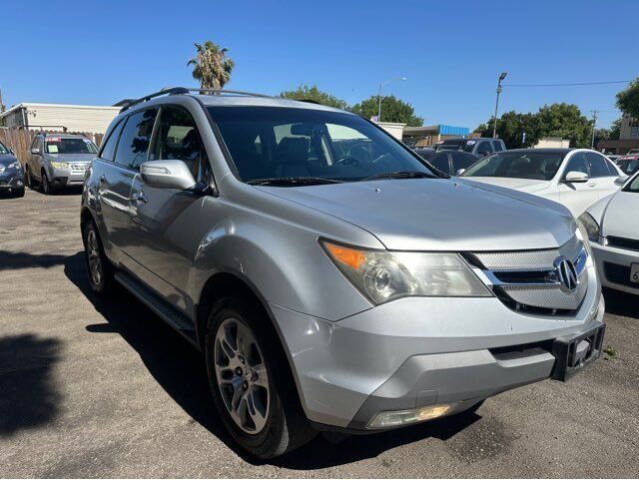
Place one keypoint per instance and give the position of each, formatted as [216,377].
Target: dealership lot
[91,388]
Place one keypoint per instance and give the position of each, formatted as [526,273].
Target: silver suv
[332,280]
[58,160]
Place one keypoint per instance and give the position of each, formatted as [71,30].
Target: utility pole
[594,122]
[502,75]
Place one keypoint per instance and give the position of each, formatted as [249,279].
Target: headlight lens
[589,227]
[15,165]
[384,276]
[59,164]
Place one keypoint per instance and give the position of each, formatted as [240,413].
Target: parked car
[11,174]
[318,275]
[451,162]
[477,146]
[613,158]
[576,178]
[58,160]
[614,236]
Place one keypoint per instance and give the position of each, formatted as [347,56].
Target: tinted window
[134,141]
[462,160]
[497,146]
[484,148]
[108,147]
[36,143]
[577,163]
[597,164]
[275,143]
[530,164]
[440,162]
[177,138]
[611,168]
[633,185]
[425,153]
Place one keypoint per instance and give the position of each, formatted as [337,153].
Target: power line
[576,84]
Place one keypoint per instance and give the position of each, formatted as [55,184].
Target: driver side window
[577,164]
[178,138]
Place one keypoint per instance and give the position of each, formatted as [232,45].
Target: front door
[167,223]
[578,196]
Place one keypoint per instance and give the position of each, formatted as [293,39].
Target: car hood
[521,184]
[6,159]
[439,214]
[617,218]
[71,157]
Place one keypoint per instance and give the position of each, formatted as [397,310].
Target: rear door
[579,195]
[602,174]
[166,223]
[116,179]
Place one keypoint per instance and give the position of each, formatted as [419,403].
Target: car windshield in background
[3,150]
[629,166]
[62,145]
[461,144]
[279,144]
[528,164]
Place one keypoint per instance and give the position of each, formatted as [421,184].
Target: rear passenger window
[134,141]
[598,166]
[108,148]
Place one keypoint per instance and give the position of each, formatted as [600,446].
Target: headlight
[59,164]
[589,224]
[15,165]
[383,276]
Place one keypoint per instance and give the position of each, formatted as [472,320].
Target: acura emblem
[566,274]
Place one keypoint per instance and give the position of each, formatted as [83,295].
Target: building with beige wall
[58,117]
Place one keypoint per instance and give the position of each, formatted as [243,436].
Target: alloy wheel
[94,258]
[242,376]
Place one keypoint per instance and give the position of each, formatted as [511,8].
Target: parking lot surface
[104,389]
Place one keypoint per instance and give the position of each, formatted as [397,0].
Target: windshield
[283,143]
[526,164]
[3,150]
[633,185]
[629,166]
[67,145]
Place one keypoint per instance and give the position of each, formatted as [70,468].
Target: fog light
[395,418]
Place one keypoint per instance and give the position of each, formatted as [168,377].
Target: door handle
[102,180]
[139,197]
[592,185]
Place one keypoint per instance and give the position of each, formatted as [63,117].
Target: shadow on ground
[18,260]
[622,304]
[179,369]
[28,397]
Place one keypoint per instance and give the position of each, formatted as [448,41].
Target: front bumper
[420,351]
[67,177]
[14,181]
[613,266]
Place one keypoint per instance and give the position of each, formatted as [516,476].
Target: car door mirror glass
[173,174]
[576,177]
[621,179]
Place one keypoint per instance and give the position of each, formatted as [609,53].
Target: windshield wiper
[399,175]
[293,181]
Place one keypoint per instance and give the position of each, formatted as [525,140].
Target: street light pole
[379,96]
[502,75]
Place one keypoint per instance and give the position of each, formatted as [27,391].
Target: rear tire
[250,380]
[28,178]
[99,268]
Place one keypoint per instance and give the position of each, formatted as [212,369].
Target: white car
[614,237]
[575,178]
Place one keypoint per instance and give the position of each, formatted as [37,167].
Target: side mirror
[621,179]
[167,174]
[576,177]
[460,171]
[35,151]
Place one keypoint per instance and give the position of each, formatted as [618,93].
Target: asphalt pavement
[105,389]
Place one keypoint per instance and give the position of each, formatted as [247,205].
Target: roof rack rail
[128,103]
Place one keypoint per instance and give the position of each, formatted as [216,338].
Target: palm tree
[212,67]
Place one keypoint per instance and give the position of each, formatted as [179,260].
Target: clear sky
[450,51]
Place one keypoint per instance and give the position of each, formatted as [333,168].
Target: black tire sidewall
[46,186]
[268,442]
[106,272]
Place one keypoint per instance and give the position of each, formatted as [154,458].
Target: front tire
[250,381]
[99,268]
[45,184]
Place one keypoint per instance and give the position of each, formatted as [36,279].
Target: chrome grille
[531,279]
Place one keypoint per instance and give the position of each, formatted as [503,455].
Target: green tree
[517,130]
[628,99]
[615,129]
[212,67]
[393,110]
[304,92]
[565,121]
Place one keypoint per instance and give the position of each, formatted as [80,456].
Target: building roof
[28,105]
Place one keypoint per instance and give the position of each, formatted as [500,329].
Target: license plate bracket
[572,354]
